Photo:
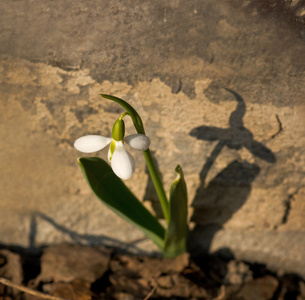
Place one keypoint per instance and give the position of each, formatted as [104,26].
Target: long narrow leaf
[113,192]
[175,236]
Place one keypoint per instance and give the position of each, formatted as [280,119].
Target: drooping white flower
[122,163]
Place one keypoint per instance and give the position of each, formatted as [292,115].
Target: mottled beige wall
[39,162]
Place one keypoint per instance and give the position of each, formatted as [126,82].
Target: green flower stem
[157,183]
[123,115]
[136,119]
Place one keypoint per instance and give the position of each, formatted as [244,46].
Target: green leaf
[113,193]
[137,121]
[175,236]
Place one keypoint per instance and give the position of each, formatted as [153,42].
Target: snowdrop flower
[122,163]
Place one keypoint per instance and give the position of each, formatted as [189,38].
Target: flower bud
[118,130]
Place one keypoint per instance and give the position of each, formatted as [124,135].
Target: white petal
[138,141]
[122,163]
[91,143]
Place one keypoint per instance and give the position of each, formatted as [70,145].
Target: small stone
[165,281]
[11,269]
[238,273]
[76,290]
[66,263]
[302,291]
[293,3]
[302,288]
[3,260]
[259,289]
[123,296]
[300,12]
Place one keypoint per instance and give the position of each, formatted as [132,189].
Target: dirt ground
[82,272]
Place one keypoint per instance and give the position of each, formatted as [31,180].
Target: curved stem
[157,183]
[123,115]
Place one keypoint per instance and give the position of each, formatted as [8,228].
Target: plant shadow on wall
[36,223]
[216,202]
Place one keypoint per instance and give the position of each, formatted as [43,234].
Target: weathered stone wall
[220,87]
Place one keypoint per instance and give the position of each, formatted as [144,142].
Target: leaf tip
[179,172]
[79,160]
[178,169]
[109,97]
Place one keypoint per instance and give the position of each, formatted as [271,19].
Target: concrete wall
[220,86]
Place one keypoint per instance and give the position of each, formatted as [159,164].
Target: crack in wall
[287,205]
[280,127]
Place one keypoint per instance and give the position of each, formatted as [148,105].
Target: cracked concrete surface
[220,88]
